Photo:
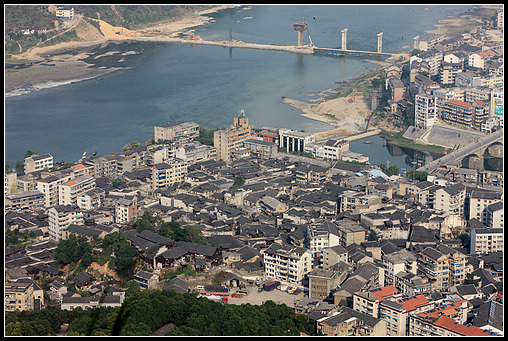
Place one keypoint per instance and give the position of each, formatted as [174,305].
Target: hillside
[50,30]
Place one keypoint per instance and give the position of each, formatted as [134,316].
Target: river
[210,85]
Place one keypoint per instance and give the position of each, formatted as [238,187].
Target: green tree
[8,167]
[20,168]
[118,182]
[194,234]
[372,236]
[148,221]
[13,329]
[130,146]
[29,153]
[239,181]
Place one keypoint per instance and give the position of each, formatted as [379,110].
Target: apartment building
[349,322]
[68,192]
[49,186]
[443,95]
[103,166]
[334,254]
[194,152]
[443,266]
[227,140]
[323,281]
[19,295]
[331,149]
[320,235]
[394,263]
[486,240]
[450,200]
[38,162]
[427,324]
[171,132]
[396,312]
[495,215]
[479,201]
[368,302]
[60,217]
[27,200]
[358,202]
[458,112]
[91,199]
[425,111]
[288,264]
[350,232]
[294,141]
[410,284]
[126,211]
[167,173]
[448,72]
[261,148]
[10,183]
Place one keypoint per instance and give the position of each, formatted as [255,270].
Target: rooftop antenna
[241,113]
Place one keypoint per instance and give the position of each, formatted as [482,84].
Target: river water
[210,85]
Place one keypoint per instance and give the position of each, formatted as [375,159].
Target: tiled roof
[451,324]
[381,293]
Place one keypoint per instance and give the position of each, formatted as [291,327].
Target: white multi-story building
[288,264]
[495,215]
[91,199]
[68,192]
[60,217]
[125,211]
[167,173]
[486,240]
[396,313]
[294,141]
[38,162]
[425,111]
[396,262]
[65,13]
[450,200]
[49,186]
[479,201]
[321,235]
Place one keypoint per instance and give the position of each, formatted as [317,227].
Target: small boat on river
[368,142]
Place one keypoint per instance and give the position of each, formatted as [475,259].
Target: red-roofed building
[442,326]
[458,112]
[396,312]
[456,309]
[478,59]
[368,302]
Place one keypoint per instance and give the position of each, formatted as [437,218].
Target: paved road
[462,152]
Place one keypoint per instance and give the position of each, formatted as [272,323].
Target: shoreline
[344,117]
[55,65]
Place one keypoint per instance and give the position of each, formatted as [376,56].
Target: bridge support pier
[380,42]
[299,27]
[344,39]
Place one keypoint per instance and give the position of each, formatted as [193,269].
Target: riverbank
[347,117]
[62,63]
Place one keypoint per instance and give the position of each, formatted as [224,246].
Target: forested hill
[128,16]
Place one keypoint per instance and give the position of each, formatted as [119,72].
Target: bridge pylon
[344,39]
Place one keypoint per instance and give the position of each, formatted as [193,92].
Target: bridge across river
[303,49]
[482,145]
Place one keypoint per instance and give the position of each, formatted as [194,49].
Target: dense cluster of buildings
[375,254]
[459,80]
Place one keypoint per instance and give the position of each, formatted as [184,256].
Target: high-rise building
[229,139]
[425,111]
